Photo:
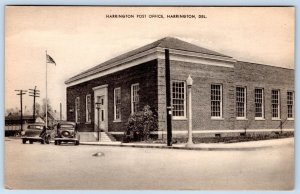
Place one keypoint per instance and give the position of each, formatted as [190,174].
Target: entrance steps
[92,137]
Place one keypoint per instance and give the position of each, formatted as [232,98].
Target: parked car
[36,132]
[66,132]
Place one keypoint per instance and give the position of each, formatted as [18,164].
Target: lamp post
[98,105]
[189,83]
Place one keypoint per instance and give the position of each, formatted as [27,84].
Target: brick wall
[203,76]
[269,78]
[145,74]
[243,74]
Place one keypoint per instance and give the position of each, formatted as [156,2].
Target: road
[36,166]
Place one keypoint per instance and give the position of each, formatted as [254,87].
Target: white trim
[241,119]
[210,131]
[151,54]
[216,131]
[76,107]
[86,108]
[279,100]
[198,55]
[100,87]
[245,103]
[195,59]
[115,107]
[262,118]
[293,108]
[221,104]
[259,118]
[101,91]
[184,117]
[217,118]
[131,91]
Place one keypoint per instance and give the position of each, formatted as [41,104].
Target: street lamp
[98,106]
[189,82]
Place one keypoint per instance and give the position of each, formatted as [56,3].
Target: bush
[140,124]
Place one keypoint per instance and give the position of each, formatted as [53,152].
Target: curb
[204,147]
[182,148]
[241,146]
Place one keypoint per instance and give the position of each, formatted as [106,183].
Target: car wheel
[42,141]
[76,142]
[58,142]
[55,142]
[23,141]
[31,142]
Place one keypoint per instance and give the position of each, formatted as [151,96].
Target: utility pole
[35,94]
[168,97]
[21,93]
[60,113]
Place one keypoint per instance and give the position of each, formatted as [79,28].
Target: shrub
[140,124]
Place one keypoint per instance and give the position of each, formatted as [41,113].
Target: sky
[78,38]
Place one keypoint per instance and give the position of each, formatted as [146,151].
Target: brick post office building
[228,96]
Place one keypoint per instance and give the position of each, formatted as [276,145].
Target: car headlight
[22,132]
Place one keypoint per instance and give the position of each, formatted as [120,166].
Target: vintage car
[36,132]
[66,132]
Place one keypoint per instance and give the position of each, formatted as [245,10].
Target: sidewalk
[250,145]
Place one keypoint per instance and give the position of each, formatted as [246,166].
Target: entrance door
[101,114]
[100,96]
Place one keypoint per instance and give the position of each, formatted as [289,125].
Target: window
[178,99]
[259,103]
[135,99]
[290,105]
[275,104]
[117,104]
[216,101]
[88,108]
[240,102]
[77,109]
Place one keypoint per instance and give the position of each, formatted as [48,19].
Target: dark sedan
[66,132]
[36,132]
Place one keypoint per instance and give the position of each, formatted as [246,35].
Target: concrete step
[92,137]
[87,137]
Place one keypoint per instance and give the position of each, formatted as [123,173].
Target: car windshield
[66,126]
[38,127]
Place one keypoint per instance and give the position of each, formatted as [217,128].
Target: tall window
[77,109]
[135,99]
[240,102]
[178,99]
[275,104]
[117,104]
[259,103]
[216,101]
[88,108]
[290,104]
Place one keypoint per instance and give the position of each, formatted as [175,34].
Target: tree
[12,111]
[141,124]
[49,108]
[38,109]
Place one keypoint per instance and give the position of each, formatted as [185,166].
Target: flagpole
[46,95]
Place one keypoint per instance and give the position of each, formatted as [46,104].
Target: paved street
[36,166]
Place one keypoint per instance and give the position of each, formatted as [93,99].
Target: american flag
[49,59]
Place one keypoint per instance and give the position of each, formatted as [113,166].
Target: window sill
[217,118]
[276,119]
[290,119]
[241,119]
[88,122]
[117,121]
[179,118]
[259,119]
